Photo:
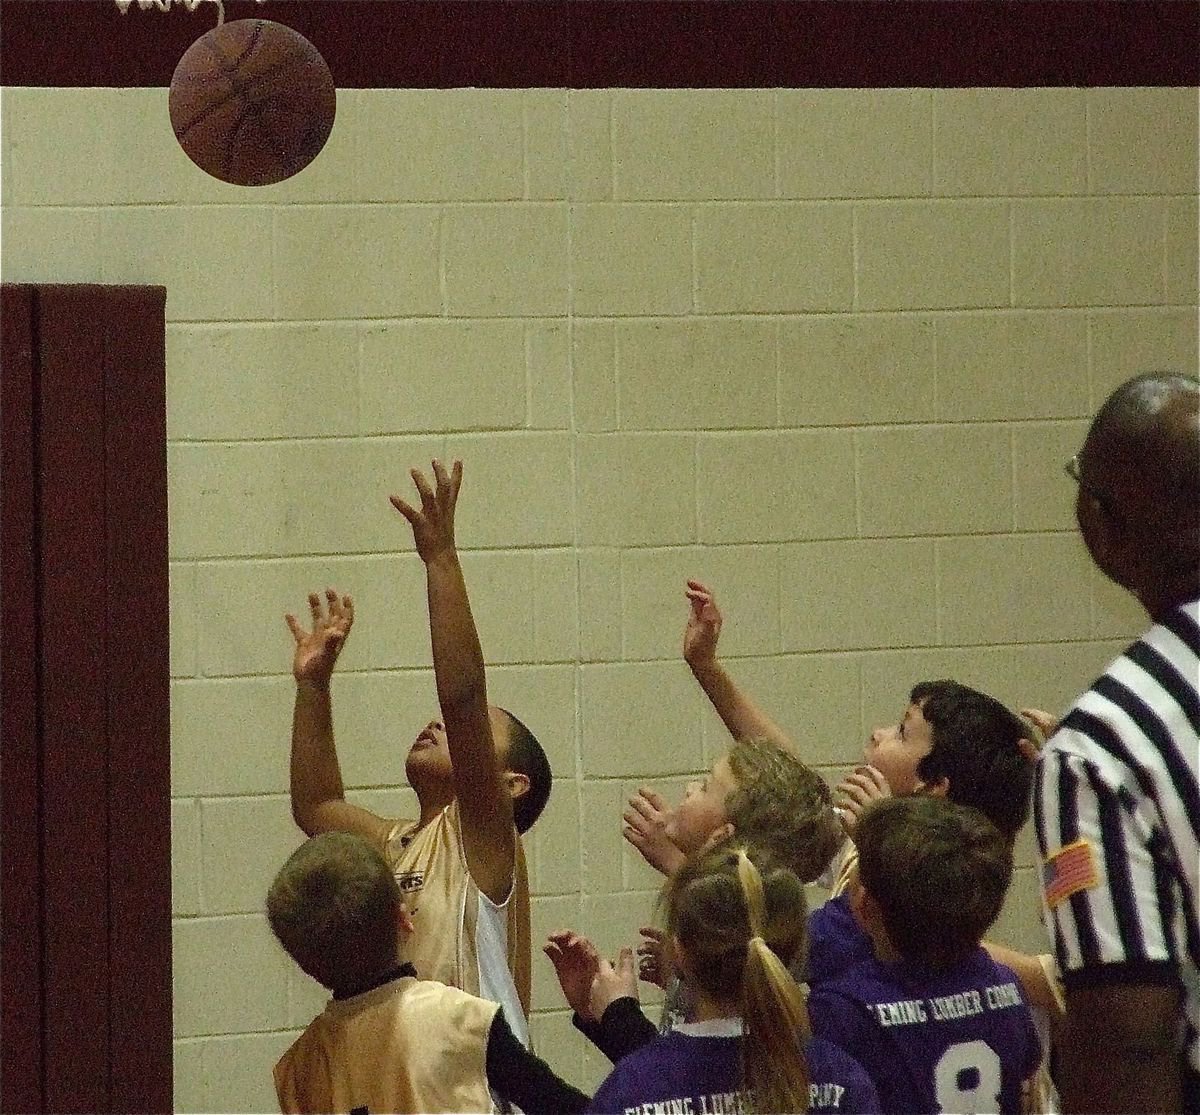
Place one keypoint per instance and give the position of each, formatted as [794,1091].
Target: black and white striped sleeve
[1115,922]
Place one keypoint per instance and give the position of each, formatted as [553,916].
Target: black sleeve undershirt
[522,1078]
[621,1029]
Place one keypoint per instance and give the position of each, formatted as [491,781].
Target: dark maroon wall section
[85,776]
[20,829]
[138,729]
[636,43]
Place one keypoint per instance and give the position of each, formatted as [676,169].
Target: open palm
[317,650]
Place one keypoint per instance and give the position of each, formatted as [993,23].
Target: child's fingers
[655,799]
[635,837]
[314,606]
[1043,721]
[1029,750]
[652,932]
[440,477]
[293,623]
[642,807]
[426,492]
[405,508]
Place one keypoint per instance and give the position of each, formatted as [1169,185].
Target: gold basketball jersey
[845,871]
[459,936]
[411,1045]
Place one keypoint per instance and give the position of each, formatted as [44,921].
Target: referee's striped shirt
[1121,774]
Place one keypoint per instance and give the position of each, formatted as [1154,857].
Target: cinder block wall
[825,349]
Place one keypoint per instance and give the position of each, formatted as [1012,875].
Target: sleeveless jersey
[410,1045]
[460,937]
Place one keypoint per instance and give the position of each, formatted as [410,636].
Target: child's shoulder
[835,1077]
[830,1062]
[836,942]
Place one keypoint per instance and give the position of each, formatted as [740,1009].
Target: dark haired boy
[480,776]
[387,1041]
[936,1022]
[951,741]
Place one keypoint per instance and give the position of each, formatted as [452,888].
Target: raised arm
[318,798]
[743,718]
[489,836]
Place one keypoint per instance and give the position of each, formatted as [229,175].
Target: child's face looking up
[896,750]
[702,810]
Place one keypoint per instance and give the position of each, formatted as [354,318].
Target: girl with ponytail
[735,923]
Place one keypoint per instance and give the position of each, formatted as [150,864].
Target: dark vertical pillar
[138,688]
[73,653]
[20,841]
[85,758]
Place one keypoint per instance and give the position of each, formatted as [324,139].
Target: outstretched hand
[645,828]
[317,650]
[654,963]
[703,626]
[1046,724]
[576,963]
[613,981]
[433,523]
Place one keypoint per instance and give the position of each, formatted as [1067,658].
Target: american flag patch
[1067,872]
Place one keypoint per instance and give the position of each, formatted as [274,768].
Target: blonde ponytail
[773,1010]
[740,925]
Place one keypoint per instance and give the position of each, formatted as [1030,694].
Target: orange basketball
[252,102]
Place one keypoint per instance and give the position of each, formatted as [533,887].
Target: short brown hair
[334,907]
[782,806]
[939,872]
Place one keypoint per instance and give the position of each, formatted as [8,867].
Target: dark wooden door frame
[85,875]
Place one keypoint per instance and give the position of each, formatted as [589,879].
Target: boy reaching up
[480,777]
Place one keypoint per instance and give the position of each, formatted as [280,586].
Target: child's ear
[938,789]
[719,834]
[864,908]
[517,784]
[404,921]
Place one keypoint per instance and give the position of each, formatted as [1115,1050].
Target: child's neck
[431,800]
[430,811]
[384,975]
[706,1008]
[884,950]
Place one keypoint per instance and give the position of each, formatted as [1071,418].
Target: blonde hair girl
[735,921]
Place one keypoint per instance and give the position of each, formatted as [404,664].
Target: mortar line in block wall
[224,324]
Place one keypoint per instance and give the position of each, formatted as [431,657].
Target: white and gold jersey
[410,1045]
[460,937]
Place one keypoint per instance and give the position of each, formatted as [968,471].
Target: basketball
[252,102]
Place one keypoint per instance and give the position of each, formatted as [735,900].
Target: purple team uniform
[958,1040]
[836,942]
[698,1068]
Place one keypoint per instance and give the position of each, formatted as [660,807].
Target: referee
[1117,808]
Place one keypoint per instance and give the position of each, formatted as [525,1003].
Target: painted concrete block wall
[826,349]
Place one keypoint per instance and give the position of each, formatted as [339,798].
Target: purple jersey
[958,1040]
[698,1069]
[836,942]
